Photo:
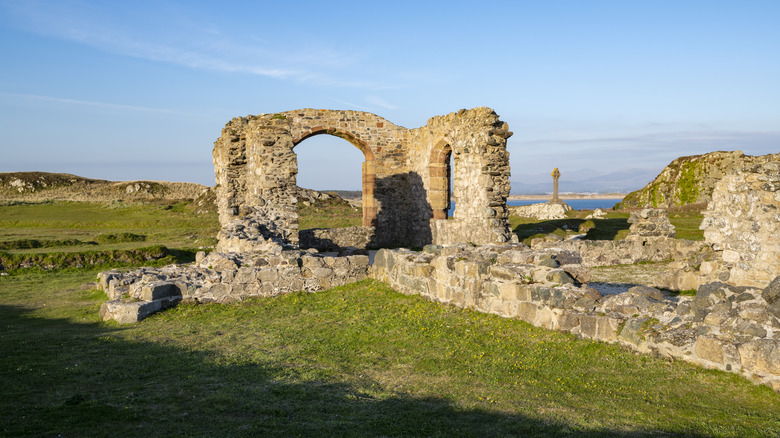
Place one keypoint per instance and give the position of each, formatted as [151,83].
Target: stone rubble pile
[597,214]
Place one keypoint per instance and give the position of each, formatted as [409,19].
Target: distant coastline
[565,196]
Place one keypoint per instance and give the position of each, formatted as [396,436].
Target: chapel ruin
[406,177]
[473,260]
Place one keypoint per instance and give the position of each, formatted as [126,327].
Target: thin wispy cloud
[362,108]
[93,104]
[378,101]
[656,138]
[206,48]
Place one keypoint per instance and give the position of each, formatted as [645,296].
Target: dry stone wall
[224,278]
[629,251]
[731,328]
[650,224]
[335,239]
[405,177]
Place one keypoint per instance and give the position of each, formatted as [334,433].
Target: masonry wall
[224,278]
[477,141]
[743,222]
[256,169]
[726,327]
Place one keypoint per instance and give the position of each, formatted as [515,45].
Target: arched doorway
[368,170]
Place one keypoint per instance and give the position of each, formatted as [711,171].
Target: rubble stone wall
[726,327]
[743,221]
[629,251]
[334,239]
[224,278]
[404,177]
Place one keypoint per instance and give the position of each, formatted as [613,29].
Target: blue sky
[140,90]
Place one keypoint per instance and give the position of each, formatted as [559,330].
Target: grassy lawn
[332,213]
[360,360]
[174,225]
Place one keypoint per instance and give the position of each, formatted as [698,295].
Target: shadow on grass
[602,229]
[73,379]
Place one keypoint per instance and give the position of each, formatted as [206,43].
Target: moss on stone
[688,183]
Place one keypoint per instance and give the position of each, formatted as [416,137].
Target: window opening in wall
[450,173]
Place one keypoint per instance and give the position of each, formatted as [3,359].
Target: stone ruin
[406,177]
[472,260]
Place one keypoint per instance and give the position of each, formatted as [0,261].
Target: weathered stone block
[568,321]
[588,326]
[771,293]
[761,356]
[709,349]
[128,313]
[527,312]
[157,290]
[246,275]
[608,328]
[633,330]
[559,276]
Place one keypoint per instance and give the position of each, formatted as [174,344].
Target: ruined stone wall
[334,239]
[224,278]
[628,252]
[743,221]
[725,327]
[477,141]
[256,172]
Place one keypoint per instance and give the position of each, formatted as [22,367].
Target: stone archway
[405,177]
[368,171]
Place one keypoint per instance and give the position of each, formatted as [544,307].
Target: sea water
[577,204]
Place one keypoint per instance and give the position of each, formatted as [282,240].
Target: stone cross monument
[555,174]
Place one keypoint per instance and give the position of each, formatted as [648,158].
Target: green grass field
[174,225]
[359,360]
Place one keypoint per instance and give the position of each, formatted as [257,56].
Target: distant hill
[690,180]
[45,186]
[582,181]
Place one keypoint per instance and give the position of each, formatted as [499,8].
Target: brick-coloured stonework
[405,177]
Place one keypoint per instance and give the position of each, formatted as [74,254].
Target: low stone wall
[628,252]
[542,211]
[224,278]
[726,327]
[334,239]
